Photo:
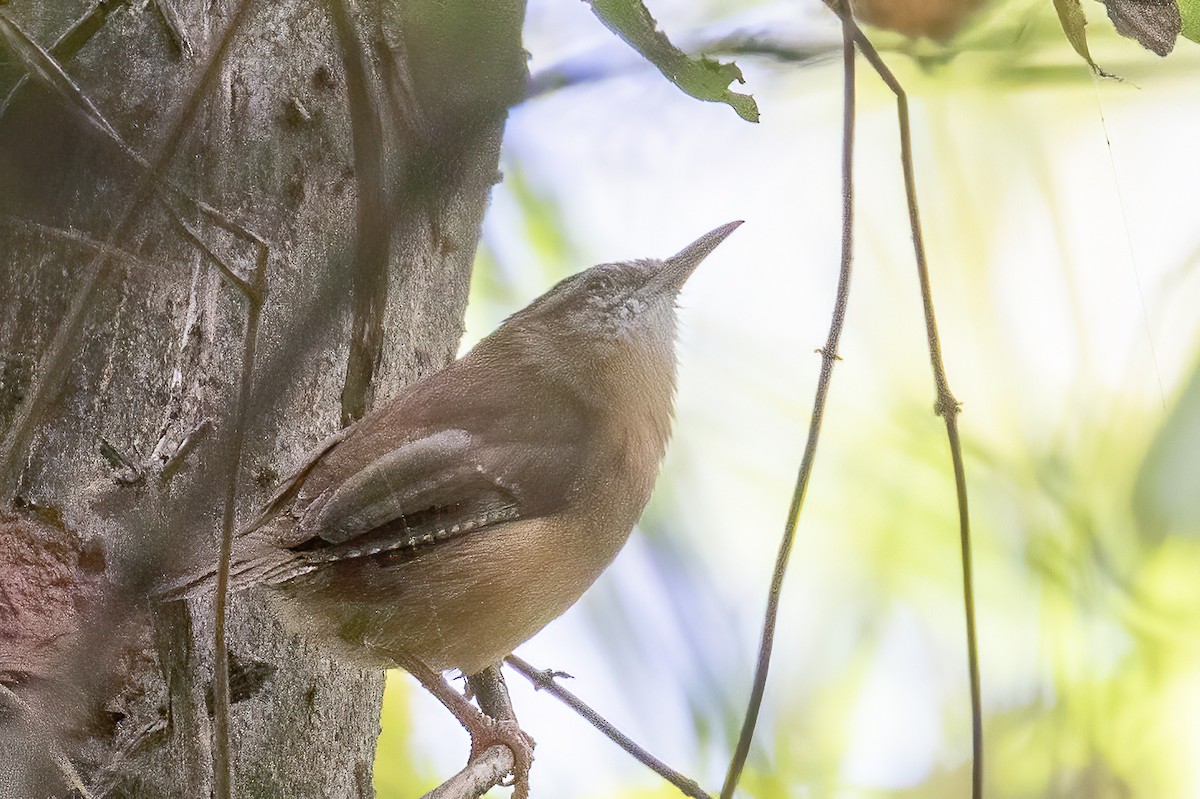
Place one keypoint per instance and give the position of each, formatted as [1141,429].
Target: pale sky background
[1064,277]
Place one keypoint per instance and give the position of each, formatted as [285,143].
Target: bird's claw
[506,732]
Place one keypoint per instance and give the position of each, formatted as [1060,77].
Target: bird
[456,520]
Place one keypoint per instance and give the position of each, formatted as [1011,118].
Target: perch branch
[478,777]
[545,681]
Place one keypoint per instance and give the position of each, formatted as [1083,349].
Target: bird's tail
[253,563]
[243,574]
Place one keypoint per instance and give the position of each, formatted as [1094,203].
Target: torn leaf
[1073,21]
[702,78]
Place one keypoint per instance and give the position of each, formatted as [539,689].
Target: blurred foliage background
[1060,214]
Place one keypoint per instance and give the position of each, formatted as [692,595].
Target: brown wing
[446,457]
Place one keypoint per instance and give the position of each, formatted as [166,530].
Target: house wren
[454,522]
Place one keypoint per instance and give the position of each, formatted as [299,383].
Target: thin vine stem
[222,771]
[945,405]
[221,755]
[829,357]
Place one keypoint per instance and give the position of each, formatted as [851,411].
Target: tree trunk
[196,162]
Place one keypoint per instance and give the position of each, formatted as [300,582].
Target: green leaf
[1189,10]
[702,78]
[1073,21]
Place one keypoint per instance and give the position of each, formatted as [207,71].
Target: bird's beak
[678,268]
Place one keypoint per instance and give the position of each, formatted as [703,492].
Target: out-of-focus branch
[69,775]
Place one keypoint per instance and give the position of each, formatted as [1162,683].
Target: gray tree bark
[315,169]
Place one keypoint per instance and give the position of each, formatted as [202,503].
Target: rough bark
[359,140]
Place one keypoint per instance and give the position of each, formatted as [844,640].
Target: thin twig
[254,300]
[70,43]
[245,287]
[52,368]
[44,65]
[544,680]
[185,448]
[175,31]
[82,239]
[945,406]
[829,356]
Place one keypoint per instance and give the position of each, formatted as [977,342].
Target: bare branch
[254,297]
[82,239]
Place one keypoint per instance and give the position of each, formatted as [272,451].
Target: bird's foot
[485,731]
[488,732]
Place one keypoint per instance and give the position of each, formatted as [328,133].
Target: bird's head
[610,308]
